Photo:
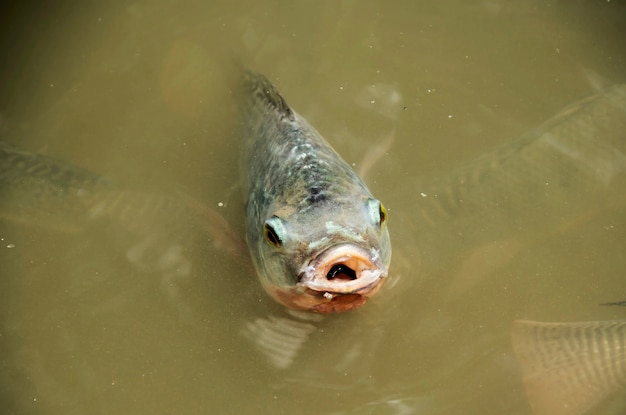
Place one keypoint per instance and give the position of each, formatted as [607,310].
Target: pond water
[101,321]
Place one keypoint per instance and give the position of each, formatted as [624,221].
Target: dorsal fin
[261,90]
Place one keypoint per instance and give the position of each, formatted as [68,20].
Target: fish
[38,190]
[565,171]
[317,236]
[570,368]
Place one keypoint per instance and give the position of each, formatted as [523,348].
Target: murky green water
[137,93]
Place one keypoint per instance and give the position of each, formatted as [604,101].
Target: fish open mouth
[341,278]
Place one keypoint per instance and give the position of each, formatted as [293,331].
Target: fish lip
[369,272]
[315,292]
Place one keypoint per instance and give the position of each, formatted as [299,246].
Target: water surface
[139,93]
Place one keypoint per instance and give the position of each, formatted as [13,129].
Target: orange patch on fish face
[341,303]
[322,302]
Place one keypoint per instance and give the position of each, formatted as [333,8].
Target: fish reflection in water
[579,152]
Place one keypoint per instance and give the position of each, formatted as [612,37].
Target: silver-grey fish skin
[313,202]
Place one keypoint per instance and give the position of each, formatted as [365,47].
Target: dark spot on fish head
[316,195]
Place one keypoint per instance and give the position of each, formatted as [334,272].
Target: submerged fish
[53,194]
[317,236]
[569,169]
[570,368]
[36,189]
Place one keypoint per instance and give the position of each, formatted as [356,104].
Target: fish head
[327,258]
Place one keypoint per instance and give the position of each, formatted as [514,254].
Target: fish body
[317,236]
[570,368]
[571,166]
[38,189]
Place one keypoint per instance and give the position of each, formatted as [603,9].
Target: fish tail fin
[570,368]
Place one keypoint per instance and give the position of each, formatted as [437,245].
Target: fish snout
[342,277]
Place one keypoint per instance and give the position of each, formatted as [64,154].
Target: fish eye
[377,212]
[274,231]
[382,212]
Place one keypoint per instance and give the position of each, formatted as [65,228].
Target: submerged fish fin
[375,153]
[261,90]
[617,303]
[279,339]
[597,81]
[570,368]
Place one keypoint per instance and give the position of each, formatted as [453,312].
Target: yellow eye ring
[383,215]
